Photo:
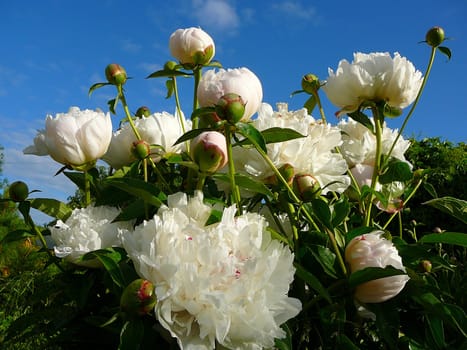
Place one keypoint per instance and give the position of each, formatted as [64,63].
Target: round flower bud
[373,250]
[208,120]
[192,46]
[310,83]
[306,186]
[230,107]
[435,36]
[18,191]
[143,111]
[115,74]
[170,65]
[140,149]
[426,265]
[209,151]
[138,298]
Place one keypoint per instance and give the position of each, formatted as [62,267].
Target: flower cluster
[228,218]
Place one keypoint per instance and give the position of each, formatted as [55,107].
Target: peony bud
[373,250]
[306,186]
[192,46]
[140,149]
[115,74]
[435,36]
[208,120]
[143,112]
[170,65]
[138,298]
[18,191]
[209,151]
[230,107]
[310,83]
[426,265]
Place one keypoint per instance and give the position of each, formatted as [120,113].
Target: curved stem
[320,107]
[234,188]
[422,87]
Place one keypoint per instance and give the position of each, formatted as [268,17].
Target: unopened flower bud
[435,36]
[115,74]
[209,151]
[170,65]
[307,186]
[373,250]
[143,112]
[18,191]
[208,120]
[140,149]
[310,83]
[230,107]
[138,298]
[426,265]
[192,46]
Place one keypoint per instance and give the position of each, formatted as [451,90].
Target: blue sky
[53,51]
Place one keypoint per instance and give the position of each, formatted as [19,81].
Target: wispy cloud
[296,9]
[130,46]
[216,14]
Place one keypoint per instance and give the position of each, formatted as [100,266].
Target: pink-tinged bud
[141,149]
[143,112]
[138,298]
[435,36]
[310,83]
[208,120]
[115,74]
[192,46]
[373,250]
[230,107]
[209,151]
[18,191]
[426,265]
[306,186]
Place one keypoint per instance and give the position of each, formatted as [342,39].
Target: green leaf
[168,73]
[372,273]
[252,134]
[445,50]
[452,206]
[131,335]
[396,171]
[455,238]
[430,189]
[321,210]
[362,119]
[436,328]
[313,282]
[191,134]
[325,257]
[95,87]
[245,182]
[131,211]
[276,134]
[16,235]
[52,207]
[169,84]
[138,188]
[310,104]
[110,263]
[341,210]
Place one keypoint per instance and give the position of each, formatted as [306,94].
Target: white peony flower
[241,81]
[192,46]
[86,230]
[225,283]
[373,77]
[359,144]
[311,155]
[373,250]
[161,129]
[77,138]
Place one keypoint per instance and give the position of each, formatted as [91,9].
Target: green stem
[179,111]
[320,107]
[409,114]
[127,112]
[377,117]
[233,185]
[197,75]
[87,189]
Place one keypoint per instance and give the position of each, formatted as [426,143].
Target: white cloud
[216,14]
[295,9]
[130,46]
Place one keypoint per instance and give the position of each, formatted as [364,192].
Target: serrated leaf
[252,134]
[52,207]
[455,207]
[372,273]
[455,238]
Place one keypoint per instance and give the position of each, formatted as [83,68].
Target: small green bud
[288,173]
[391,112]
[138,298]
[307,187]
[435,36]
[18,191]
[426,265]
[141,149]
[115,74]
[143,111]
[230,107]
[310,83]
[170,65]
[208,120]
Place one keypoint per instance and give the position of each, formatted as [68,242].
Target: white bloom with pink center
[224,283]
[373,77]
[373,250]
[241,81]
